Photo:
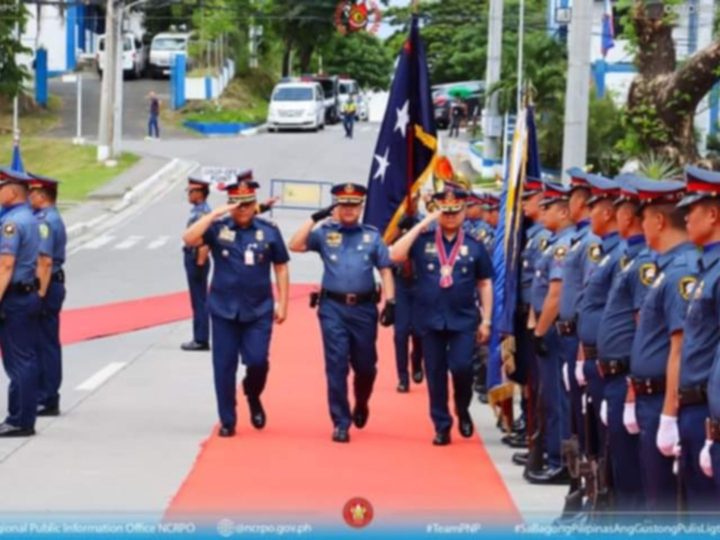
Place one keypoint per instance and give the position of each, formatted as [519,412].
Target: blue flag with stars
[405,150]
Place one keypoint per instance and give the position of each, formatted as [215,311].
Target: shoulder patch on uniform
[648,273]
[482,233]
[686,286]
[44,230]
[559,253]
[594,252]
[9,230]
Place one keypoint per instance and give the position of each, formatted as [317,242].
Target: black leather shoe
[227,431]
[555,475]
[360,415]
[195,346]
[465,425]
[520,458]
[341,435]
[417,376]
[48,411]
[483,397]
[442,438]
[515,441]
[519,426]
[8,430]
[257,414]
[403,387]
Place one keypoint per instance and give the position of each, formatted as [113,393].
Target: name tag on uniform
[464,250]
[227,234]
[249,257]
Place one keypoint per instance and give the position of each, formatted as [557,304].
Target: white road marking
[158,242]
[96,380]
[98,242]
[129,242]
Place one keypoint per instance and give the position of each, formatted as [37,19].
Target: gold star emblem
[358,513]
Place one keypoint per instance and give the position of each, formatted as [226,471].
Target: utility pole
[492,119]
[16,99]
[577,90]
[521,47]
[107,96]
[119,72]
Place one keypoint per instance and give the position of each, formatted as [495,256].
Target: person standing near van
[457,113]
[349,111]
[153,122]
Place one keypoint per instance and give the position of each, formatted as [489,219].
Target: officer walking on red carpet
[454,272]
[243,248]
[350,252]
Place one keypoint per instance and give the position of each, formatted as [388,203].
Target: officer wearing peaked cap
[197,267]
[491,207]
[348,314]
[244,248]
[655,357]
[19,303]
[53,239]
[699,344]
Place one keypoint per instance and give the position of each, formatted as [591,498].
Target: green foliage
[361,56]
[605,129]
[658,167]
[12,75]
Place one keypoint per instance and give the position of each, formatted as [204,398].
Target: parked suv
[163,47]
[134,56]
[297,105]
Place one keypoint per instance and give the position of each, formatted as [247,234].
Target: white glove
[603,412]
[579,374]
[668,436]
[629,419]
[566,377]
[705,459]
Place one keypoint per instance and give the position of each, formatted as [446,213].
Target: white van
[163,47]
[297,105]
[134,56]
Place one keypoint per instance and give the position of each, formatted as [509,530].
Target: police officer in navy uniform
[244,248]
[545,300]
[655,357]
[53,240]
[197,267]
[348,313]
[454,272]
[19,303]
[614,343]
[491,217]
[700,342]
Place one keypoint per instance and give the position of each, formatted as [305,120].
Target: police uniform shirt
[584,255]
[453,308]
[59,237]
[196,212]
[550,266]
[21,239]
[701,335]
[349,255]
[241,288]
[537,241]
[405,272]
[596,291]
[628,290]
[663,312]
[46,239]
[477,228]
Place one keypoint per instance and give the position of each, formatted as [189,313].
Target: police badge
[686,286]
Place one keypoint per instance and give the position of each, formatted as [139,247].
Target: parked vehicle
[162,49]
[471,93]
[134,58]
[349,88]
[330,86]
[298,105]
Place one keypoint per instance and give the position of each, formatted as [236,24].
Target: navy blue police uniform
[197,274]
[241,304]
[448,315]
[19,312]
[53,241]
[554,400]
[700,346]
[348,312]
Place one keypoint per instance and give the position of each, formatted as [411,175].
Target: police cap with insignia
[11,176]
[196,181]
[450,201]
[554,192]
[349,193]
[474,199]
[578,178]
[491,202]
[531,186]
[657,191]
[602,188]
[701,184]
[628,193]
[241,191]
[38,181]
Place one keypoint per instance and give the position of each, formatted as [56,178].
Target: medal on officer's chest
[447,262]
[446,270]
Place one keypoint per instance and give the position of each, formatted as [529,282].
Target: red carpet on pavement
[293,468]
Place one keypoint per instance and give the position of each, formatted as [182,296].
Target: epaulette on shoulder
[268,222]
[370,227]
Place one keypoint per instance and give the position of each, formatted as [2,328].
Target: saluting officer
[244,248]
[197,267]
[348,314]
[699,344]
[655,359]
[19,303]
[614,342]
[545,300]
[454,272]
[53,239]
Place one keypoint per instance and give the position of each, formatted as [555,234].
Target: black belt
[524,309]
[58,277]
[350,299]
[648,387]
[24,288]
[566,328]
[712,429]
[693,395]
[613,366]
[590,352]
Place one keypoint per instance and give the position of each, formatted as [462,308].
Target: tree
[664,95]
[12,75]
[361,56]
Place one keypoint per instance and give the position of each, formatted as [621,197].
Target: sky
[385,29]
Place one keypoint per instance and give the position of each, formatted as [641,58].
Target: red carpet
[292,467]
